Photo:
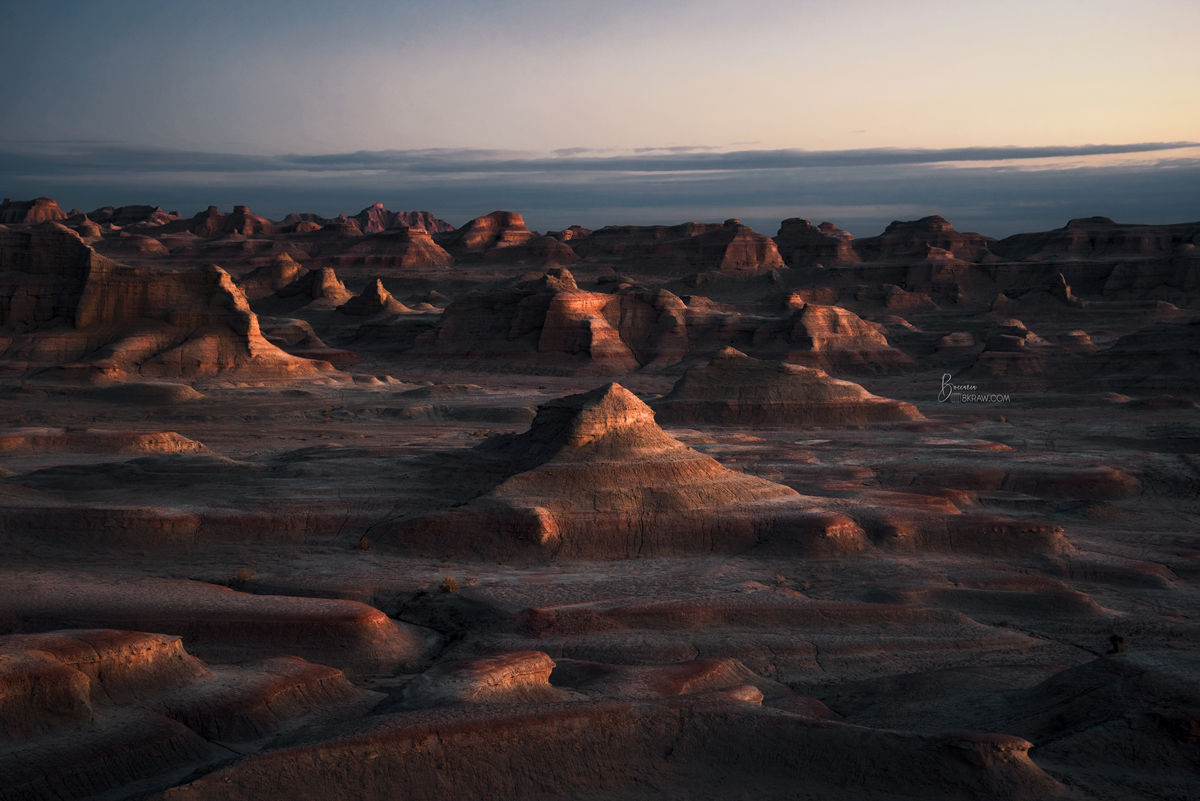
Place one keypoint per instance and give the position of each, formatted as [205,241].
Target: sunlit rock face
[395,248]
[38,210]
[500,229]
[546,323]
[595,476]
[65,303]
[728,247]
[376,218]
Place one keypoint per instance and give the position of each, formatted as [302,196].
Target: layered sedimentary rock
[906,240]
[321,287]
[375,299]
[270,278]
[828,337]
[543,252]
[1099,238]
[734,389]
[500,229]
[218,623]
[398,247]
[549,323]
[376,218]
[94,711]
[728,247]
[802,244]
[27,212]
[511,678]
[1159,359]
[1116,259]
[212,223]
[61,302]
[596,477]
[49,440]
[697,748]
[1137,712]
[88,229]
[141,216]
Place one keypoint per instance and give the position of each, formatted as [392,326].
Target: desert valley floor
[375,507]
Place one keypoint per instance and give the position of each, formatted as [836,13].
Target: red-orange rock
[376,218]
[375,299]
[397,247]
[68,304]
[270,278]
[596,477]
[28,212]
[549,324]
[829,337]
[729,247]
[500,229]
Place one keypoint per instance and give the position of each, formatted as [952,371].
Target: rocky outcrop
[95,711]
[321,287]
[395,248]
[375,299]
[802,244]
[141,216]
[828,337]
[1138,714]
[543,252]
[132,245]
[908,240]
[212,223]
[728,247]
[734,389]
[1160,359]
[61,302]
[500,229]
[30,212]
[519,677]
[1099,238]
[595,477]
[88,229]
[220,624]
[270,278]
[549,324]
[696,748]
[376,218]
[52,440]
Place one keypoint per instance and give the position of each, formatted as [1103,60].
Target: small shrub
[449,584]
[364,544]
[1118,641]
[242,577]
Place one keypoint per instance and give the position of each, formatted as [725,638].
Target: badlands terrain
[379,507]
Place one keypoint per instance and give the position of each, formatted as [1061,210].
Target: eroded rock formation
[734,389]
[596,477]
[60,302]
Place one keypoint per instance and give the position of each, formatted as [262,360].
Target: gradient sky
[100,91]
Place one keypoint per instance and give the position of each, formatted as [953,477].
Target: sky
[999,116]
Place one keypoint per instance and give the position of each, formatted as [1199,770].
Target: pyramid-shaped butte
[734,389]
[595,477]
[375,299]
